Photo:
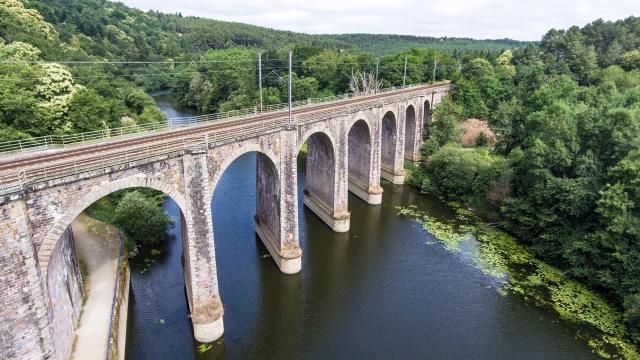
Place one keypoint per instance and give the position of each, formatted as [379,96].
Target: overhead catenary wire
[274,64]
[174,73]
[76,77]
[171,62]
[82,62]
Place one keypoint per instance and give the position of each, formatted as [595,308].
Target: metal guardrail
[63,141]
[17,182]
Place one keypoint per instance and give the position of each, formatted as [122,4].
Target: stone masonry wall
[201,273]
[289,194]
[360,152]
[64,285]
[320,175]
[388,141]
[268,195]
[52,207]
[410,133]
[24,331]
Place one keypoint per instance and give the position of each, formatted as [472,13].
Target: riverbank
[519,273]
[97,248]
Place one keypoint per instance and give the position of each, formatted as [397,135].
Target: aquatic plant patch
[500,256]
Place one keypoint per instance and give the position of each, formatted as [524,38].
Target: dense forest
[389,43]
[563,173]
[561,170]
[46,48]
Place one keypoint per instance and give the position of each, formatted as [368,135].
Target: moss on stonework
[520,273]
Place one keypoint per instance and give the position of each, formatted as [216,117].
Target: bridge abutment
[201,278]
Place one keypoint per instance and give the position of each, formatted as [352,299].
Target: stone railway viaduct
[348,149]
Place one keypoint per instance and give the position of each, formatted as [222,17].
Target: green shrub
[142,220]
[470,175]
[454,170]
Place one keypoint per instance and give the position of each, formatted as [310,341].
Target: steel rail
[63,141]
[152,147]
[34,158]
[48,157]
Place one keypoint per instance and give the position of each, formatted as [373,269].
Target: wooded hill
[109,29]
[389,43]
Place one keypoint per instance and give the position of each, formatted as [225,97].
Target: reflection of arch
[96,193]
[359,138]
[388,134]
[321,164]
[410,132]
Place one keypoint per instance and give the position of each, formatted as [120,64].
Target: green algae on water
[499,255]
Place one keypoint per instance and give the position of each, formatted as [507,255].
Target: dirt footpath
[97,250]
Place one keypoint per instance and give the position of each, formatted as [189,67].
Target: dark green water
[168,104]
[379,291]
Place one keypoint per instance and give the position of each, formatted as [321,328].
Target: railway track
[17,170]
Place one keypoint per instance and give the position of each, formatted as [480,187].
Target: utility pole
[404,75]
[260,76]
[377,64]
[435,63]
[290,79]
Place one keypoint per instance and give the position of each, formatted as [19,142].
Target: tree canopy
[564,174]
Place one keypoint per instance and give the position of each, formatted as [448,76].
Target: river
[383,290]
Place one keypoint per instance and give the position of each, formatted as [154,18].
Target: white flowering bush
[14,14]
[55,89]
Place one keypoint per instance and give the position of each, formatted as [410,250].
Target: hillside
[113,30]
[388,43]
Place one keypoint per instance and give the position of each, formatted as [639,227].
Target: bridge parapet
[100,136]
[16,178]
[351,146]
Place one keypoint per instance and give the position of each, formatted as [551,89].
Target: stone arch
[229,159]
[361,117]
[95,194]
[267,188]
[426,119]
[321,168]
[60,275]
[410,132]
[359,157]
[388,140]
[313,131]
[268,196]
